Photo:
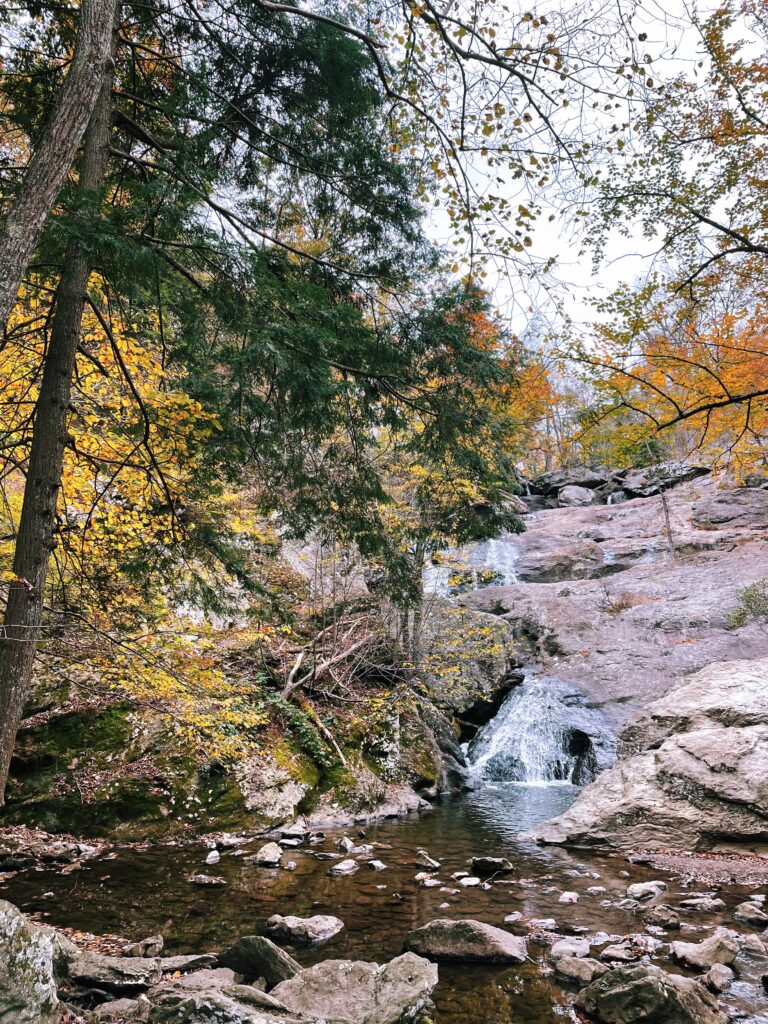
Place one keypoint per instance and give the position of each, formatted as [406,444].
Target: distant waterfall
[487,563]
[527,741]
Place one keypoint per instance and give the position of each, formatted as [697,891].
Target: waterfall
[486,563]
[529,740]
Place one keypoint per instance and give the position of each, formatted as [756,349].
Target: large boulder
[467,941]
[255,956]
[575,476]
[644,993]
[642,483]
[574,496]
[362,993]
[691,770]
[31,958]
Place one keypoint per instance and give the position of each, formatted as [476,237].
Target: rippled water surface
[138,893]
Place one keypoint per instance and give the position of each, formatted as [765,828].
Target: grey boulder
[255,956]
[643,993]
[305,930]
[468,941]
[580,970]
[720,948]
[362,993]
[31,957]
[125,975]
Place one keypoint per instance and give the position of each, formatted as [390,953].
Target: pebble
[469,882]
[213,857]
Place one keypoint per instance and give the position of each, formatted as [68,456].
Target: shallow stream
[138,893]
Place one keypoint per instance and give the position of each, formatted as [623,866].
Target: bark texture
[36,535]
[53,156]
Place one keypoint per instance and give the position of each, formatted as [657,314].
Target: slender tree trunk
[36,536]
[53,156]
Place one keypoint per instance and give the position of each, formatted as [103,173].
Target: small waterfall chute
[530,740]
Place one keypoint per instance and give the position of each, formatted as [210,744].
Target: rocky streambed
[558,918]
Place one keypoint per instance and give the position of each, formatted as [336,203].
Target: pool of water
[137,893]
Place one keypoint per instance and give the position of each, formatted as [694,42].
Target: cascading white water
[491,562]
[527,741]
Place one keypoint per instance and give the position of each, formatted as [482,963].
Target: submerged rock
[307,930]
[362,993]
[642,993]
[344,867]
[491,865]
[467,941]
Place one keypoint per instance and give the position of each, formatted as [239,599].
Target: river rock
[269,855]
[362,993]
[646,890]
[255,956]
[718,978]
[344,867]
[187,963]
[467,941]
[125,975]
[491,865]
[377,865]
[580,970]
[574,495]
[121,1011]
[568,897]
[151,946]
[570,947]
[751,913]
[237,1004]
[643,992]
[470,881]
[31,959]
[211,881]
[305,930]
[424,860]
[691,769]
[213,857]
[720,948]
[199,981]
[703,904]
[662,916]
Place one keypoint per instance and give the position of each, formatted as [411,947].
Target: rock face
[602,605]
[644,993]
[691,770]
[30,956]
[362,993]
[467,941]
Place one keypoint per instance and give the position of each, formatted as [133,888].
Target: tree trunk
[36,536]
[53,156]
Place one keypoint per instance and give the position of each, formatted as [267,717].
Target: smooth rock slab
[643,993]
[122,974]
[467,941]
[255,956]
[306,930]
[362,993]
